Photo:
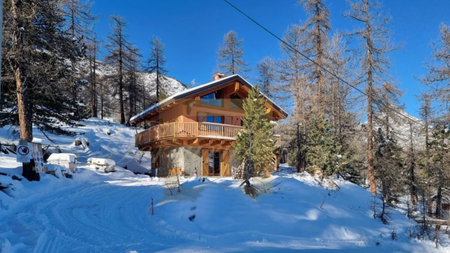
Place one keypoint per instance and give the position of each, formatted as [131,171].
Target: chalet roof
[135,119]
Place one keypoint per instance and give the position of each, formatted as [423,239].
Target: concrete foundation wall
[188,158]
[176,158]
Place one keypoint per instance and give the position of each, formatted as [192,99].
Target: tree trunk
[24,109]
[24,106]
[373,187]
[439,202]
[122,109]
[413,190]
[93,85]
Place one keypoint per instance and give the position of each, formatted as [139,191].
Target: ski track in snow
[94,217]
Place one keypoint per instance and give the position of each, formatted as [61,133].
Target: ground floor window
[214,163]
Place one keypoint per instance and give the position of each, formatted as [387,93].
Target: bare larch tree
[156,63]
[374,45]
[230,55]
[119,49]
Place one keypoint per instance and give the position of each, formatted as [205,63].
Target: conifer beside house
[195,129]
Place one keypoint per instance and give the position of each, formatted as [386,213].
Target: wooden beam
[268,110]
[196,141]
[236,87]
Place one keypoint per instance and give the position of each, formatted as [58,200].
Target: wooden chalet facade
[194,129]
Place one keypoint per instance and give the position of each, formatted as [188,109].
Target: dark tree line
[52,75]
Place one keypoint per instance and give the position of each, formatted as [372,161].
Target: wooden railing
[185,130]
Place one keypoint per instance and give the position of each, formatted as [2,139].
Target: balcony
[186,131]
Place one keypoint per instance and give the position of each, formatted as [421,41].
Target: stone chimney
[218,76]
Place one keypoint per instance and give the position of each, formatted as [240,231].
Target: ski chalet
[194,129]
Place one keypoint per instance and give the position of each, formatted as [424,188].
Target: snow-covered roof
[194,90]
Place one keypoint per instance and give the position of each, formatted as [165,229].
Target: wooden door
[225,164]
[205,162]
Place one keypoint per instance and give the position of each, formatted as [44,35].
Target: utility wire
[317,64]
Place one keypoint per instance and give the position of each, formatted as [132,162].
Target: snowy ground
[98,212]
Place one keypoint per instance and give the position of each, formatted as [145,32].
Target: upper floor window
[214,119]
[236,102]
[214,98]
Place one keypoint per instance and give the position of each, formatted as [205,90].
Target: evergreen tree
[389,167]
[156,63]
[254,143]
[36,48]
[230,55]
[439,164]
[323,150]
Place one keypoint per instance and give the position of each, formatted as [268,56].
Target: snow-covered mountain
[170,84]
[404,126]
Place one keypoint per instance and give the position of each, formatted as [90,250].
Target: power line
[315,63]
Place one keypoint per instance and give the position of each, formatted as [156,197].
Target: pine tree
[373,37]
[119,49]
[156,63]
[389,167]
[323,150]
[230,55]
[254,143]
[36,48]
[440,160]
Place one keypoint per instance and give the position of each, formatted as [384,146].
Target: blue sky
[192,31]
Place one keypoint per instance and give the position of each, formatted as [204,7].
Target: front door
[215,163]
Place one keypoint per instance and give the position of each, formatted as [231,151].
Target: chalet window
[236,102]
[205,117]
[214,98]
[214,119]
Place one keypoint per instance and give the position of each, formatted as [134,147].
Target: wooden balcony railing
[186,130]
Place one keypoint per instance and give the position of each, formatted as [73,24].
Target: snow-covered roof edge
[194,89]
